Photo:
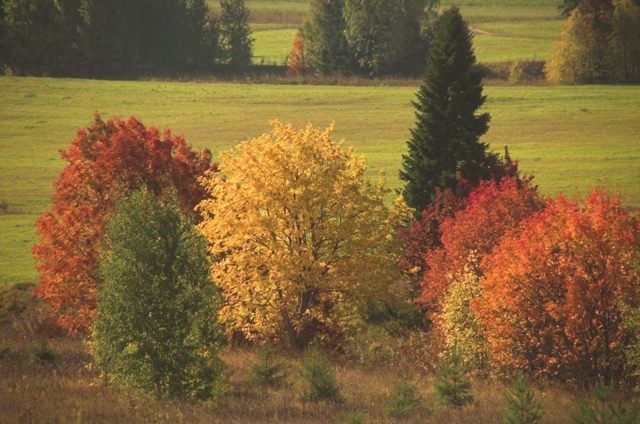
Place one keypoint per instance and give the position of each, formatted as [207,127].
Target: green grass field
[571,137]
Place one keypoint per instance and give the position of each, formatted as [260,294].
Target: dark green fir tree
[446,138]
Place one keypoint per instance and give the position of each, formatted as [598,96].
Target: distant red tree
[552,292]
[105,159]
[297,63]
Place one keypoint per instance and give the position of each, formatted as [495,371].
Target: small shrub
[266,371]
[522,406]
[43,353]
[404,401]
[353,418]
[602,409]
[452,382]
[321,379]
[4,351]
[515,72]
[221,392]
[4,206]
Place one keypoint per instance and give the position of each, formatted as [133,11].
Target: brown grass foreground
[66,390]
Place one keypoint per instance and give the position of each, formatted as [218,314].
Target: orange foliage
[491,210]
[552,292]
[103,160]
[297,63]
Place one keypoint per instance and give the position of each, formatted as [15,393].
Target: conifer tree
[236,33]
[522,405]
[445,140]
[452,383]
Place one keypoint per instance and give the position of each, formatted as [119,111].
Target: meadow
[570,137]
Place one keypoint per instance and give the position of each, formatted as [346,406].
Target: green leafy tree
[522,406]
[452,383]
[157,327]
[235,33]
[387,36]
[324,38]
[446,138]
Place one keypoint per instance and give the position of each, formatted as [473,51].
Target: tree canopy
[301,239]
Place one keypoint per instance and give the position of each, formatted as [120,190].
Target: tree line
[120,37]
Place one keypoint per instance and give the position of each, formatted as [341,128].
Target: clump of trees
[371,37]
[599,43]
[103,160]
[302,241]
[77,37]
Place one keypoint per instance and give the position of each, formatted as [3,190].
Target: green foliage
[157,327]
[353,418]
[445,139]
[267,371]
[4,351]
[235,33]
[42,352]
[320,378]
[324,38]
[603,410]
[388,37]
[452,383]
[522,406]
[404,400]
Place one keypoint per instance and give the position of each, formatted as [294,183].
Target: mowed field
[570,137]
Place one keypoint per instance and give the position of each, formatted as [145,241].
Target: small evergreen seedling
[522,406]
[603,410]
[404,400]
[43,353]
[321,379]
[452,382]
[266,371]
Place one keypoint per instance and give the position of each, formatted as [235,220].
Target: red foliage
[103,160]
[297,62]
[491,210]
[552,292]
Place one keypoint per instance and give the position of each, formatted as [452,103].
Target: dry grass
[67,390]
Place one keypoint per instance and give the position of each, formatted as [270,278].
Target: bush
[404,400]
[266,371]
[320,378]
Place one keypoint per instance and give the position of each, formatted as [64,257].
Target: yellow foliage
[301,239]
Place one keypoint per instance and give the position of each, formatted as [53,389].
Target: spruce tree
[236,33]
[445,140]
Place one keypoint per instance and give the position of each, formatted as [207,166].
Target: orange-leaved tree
[298,65]
[552,292]
[104,159]
[301,239]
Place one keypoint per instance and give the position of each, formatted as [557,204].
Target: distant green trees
[372,37]
[157,328]
[115,37]
[599,43]
[445,140]
[236,33]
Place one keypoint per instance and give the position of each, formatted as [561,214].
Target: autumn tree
[298,64]
[302,240]
[235,33]
[552,293]
[157,328]
[445,140]
[104,159]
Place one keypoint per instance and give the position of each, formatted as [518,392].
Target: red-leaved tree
[552,292]
[105,159]
[490,211]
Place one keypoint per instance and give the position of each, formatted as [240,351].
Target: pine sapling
[452,382]
[267,371]
[522,405]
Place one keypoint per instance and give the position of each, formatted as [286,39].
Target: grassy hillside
[571,137]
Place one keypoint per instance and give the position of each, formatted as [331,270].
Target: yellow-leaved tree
[301,239]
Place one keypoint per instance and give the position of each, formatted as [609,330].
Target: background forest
[280,278]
